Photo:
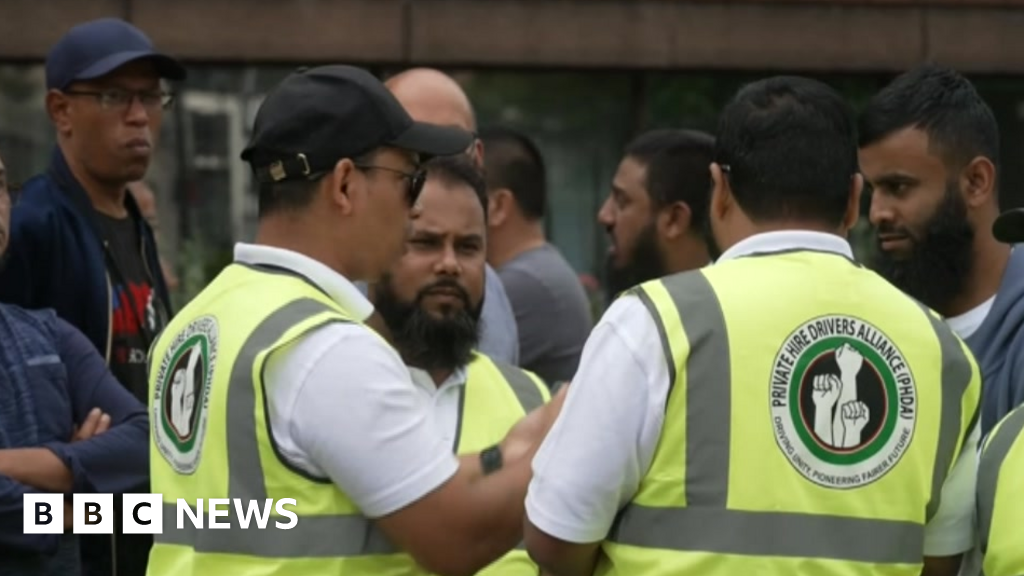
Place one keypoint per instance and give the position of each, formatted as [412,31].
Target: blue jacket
[998,346]
[56,258]
[50,378]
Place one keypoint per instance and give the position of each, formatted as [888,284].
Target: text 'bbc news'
[145,514]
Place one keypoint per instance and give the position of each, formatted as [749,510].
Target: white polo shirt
[342,404]
[591,463]
[444,399]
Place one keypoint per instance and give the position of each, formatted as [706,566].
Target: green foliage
[198,265]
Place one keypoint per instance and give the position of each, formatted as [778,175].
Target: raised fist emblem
[855,417]
[849,361]
[826,389]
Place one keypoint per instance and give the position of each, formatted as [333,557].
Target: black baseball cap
[317,116]
[98,47]
[1009,226]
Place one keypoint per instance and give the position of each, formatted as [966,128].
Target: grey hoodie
[998,347]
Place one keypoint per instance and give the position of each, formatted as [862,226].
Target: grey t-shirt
[552,312]
[499,337]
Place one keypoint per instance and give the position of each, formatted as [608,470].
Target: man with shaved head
[435,97]
[432,96]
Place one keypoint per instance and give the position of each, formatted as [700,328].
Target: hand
[849,361]
[825,391]
[189,403]
[525,437]
[855,417]
[96,423]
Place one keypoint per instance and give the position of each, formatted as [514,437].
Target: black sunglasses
[416,179]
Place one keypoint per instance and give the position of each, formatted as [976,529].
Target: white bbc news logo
[144,513]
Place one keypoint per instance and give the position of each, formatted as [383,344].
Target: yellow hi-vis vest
[813,415]
[495,396]
[1001,497]
[211,440]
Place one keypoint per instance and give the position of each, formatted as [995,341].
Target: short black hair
[788,146]
[939,101]
[294,195]
[287,196]
[514,162]
[677,163]
[459,169]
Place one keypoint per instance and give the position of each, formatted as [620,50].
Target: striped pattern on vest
[1002,542]
[706,524]
[348,533]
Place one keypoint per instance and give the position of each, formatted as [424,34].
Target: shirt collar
[423,379]
[781,240]
[339,288]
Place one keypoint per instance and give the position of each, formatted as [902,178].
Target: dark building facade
[581,76]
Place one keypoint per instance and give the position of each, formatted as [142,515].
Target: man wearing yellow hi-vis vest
[272,402]
[1001,498]
[781,411]
[431,301]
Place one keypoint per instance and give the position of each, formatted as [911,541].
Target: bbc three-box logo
[144,514]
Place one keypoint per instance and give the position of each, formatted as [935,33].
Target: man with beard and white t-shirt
[929,148]
[431,301]
[656,213]
[430,95]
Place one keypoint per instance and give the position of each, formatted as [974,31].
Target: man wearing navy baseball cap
[79,243]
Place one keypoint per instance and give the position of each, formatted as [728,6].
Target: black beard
[643,263]
[423,340]
[940,260]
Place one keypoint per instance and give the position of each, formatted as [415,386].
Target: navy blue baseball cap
[98,47]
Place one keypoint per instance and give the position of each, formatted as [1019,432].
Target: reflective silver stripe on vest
[956,378]
[723,531]
[706,525]
[348,535]
[708,387]
[988,471]
[524,387]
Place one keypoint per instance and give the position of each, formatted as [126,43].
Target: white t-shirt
[591,463]
[342,405]
[968,323]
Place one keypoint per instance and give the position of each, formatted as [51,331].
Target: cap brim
[1009,226]
[433,140]
[166,66]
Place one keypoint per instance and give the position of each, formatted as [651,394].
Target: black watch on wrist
[491,459]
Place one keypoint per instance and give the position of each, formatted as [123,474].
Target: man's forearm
[498,501]
[116,461]
[563,558]
[39,468]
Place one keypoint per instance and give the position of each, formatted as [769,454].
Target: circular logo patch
[181,394]
[843,402]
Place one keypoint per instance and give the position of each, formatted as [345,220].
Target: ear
[58,108]
[978,181]
[674,220]
[853,203]
[721,193]
[499,204]
[478,153]
[340,183]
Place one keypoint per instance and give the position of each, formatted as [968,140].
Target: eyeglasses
[416,179]
[118,99]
